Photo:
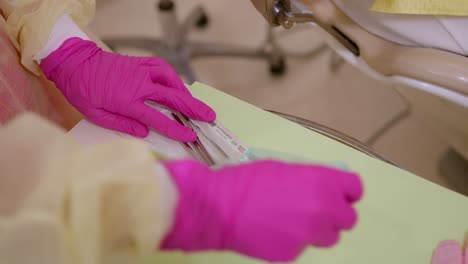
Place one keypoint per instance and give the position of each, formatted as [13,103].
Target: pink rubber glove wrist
[111,90]
[267,210]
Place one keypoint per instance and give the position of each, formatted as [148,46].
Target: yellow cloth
[29,22]
[422,7]
[64,203]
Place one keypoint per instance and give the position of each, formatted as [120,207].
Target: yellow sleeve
[422,7]
[29,22]
[63,203]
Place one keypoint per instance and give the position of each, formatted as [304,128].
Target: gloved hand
[111,89]
[267,210]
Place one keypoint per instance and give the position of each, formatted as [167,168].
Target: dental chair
[423,57]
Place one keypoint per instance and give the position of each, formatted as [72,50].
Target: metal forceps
[197,149]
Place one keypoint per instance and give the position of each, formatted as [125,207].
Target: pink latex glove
[110,89]
[450,252]
[267,210]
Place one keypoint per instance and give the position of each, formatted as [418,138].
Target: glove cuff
[72,53]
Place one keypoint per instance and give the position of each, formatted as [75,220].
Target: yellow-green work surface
[402,217]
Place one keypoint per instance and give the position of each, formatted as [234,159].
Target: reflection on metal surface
[284,16]
[335,135]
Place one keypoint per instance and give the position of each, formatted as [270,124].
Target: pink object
[267,210]
[450,252]
[20,90]
[110,89]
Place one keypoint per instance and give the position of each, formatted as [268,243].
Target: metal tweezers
[196,148]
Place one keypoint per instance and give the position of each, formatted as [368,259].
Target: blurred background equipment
[177,49]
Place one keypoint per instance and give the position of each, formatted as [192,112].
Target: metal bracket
[285,17]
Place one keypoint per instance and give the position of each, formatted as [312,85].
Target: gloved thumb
[118,123]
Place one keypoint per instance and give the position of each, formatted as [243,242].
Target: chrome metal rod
[336,135]
[285,17]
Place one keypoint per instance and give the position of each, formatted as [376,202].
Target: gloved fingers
[118,122]
[350,183]
[346,217]
[183,103]
[352,186]
[328,237]
[162,72]
[161,123]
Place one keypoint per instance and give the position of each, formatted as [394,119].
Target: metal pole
[168,21]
